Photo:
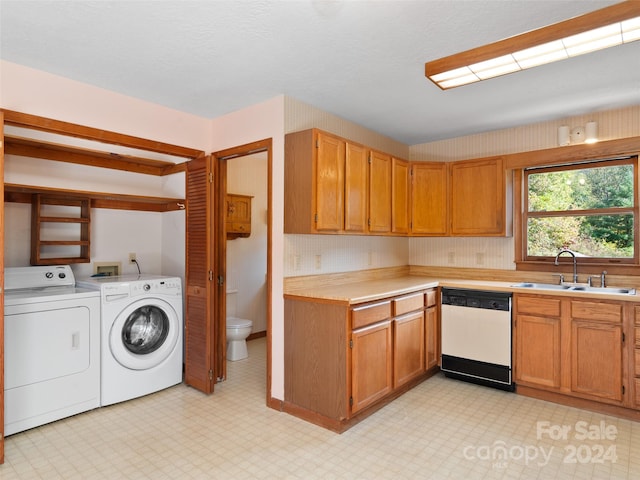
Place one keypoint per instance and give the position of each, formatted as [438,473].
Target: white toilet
[238,329]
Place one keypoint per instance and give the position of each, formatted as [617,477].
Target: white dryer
[51,347]
[142,331]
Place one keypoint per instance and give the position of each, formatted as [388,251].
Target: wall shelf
[37,148]
[27,147]
[25,194]
[55,251]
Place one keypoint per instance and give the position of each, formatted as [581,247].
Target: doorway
[244,263]
[246,260]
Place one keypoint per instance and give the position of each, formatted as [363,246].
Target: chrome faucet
[575,264]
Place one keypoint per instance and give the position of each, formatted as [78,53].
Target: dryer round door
[144,334]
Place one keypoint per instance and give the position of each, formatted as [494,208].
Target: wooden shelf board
[44,124]
[27,147]
[62,261]
[64,220]
[23,193]
[81,243]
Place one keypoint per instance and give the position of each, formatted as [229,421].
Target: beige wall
[301,116]
[612,124]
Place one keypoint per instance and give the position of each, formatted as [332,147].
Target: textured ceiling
[360,60]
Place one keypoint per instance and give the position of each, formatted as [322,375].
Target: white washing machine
[142,330]
[51,347]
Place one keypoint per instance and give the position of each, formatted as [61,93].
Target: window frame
[573,158]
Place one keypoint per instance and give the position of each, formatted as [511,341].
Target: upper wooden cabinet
[329,212]
[479,205]
[356,185]
[429,198]
[335,186]
[400,196]
[238,215]
[379,192]
[314,182]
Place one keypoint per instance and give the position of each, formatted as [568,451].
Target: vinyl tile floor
[442,429]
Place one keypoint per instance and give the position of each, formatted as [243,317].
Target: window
[589,208]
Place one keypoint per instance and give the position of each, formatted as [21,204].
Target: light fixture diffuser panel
[604,28]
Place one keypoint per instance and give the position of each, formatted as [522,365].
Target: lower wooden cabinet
[371,361]
[537,339]
[596,357]
[431,330]
[570,346]
[342,361]
[408,347]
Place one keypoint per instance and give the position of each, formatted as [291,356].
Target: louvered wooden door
[199,322]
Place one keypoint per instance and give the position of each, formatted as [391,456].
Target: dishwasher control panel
[477,299]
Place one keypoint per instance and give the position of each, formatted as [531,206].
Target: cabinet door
[371,364]
[238,215]
[329,183]
[379,192]
[400,189]
[238,208]
[432,336]
[478,205]
[596,358]
[538,351]
[429,198]
[408,347]
[355,188]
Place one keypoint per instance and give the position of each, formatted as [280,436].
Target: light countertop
[371,290]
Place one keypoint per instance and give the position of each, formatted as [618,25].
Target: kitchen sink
[576,288]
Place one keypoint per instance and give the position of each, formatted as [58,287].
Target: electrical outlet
[318,262]
[132,258]
[451,258]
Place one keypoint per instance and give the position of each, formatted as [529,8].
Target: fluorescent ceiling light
[604,28]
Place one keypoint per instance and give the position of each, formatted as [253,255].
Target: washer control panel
[162,286]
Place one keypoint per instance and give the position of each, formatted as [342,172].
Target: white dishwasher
[476,337]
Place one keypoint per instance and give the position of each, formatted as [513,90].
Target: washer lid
[234,322]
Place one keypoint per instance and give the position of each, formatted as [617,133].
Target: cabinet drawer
[408,303]
[544,306]
[638,337]
[238,227]
[367,314]
[432,298]
[599,312]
